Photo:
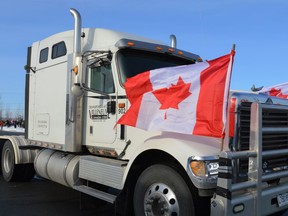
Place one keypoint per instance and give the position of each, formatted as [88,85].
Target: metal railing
[258,195]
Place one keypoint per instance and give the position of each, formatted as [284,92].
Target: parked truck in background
[74,97]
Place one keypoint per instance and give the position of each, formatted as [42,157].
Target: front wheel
[160,190]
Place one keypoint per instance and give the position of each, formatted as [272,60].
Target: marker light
[75,70]
[121,105]
[159,48]
[130,43]
[170,50]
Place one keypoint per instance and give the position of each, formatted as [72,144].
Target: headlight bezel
[203,171]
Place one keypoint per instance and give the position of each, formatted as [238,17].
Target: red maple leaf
[172,96]
[277,93]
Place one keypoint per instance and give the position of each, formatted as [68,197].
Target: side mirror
[111,107]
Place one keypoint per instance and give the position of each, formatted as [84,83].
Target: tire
[160,190]
[1,147]
[14,172]
[8,162]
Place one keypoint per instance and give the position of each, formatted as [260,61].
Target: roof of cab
[102,38]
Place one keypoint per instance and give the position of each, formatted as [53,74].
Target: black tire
[160,190]
[14,172]
[8,162]
[1,147]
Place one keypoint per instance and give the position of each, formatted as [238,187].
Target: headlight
[198,168]
[213,168]
[204,166]
[203,171]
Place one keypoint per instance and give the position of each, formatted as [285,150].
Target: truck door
[99,123]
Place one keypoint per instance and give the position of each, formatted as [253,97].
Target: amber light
[180,53]
[159,48]
[170,50]
[121,105]
[198,168]
[130,43]
[75,70]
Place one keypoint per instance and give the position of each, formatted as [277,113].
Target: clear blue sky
[207,27]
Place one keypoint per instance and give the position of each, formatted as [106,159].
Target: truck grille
[270,141]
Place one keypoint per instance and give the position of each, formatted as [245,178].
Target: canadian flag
[280,90]
[190,99]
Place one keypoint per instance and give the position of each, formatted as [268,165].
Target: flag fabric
[189,99]
[280,90]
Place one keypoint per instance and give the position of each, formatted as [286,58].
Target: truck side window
[43,55]
[102,79]
[59,50]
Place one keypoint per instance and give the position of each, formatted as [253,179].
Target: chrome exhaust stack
[76,68]
[173,41]
[77,31]
[74,112]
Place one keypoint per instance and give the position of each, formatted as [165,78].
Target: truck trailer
[74,97]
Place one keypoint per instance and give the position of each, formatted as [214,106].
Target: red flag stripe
[135,87]
[209,116]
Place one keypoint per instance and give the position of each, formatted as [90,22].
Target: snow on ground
[13,129]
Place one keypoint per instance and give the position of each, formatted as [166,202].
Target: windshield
[132,62]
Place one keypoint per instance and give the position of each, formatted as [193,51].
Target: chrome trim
[173,41]
[205,182]
[77,31]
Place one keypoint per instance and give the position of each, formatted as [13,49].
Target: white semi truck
[74,97]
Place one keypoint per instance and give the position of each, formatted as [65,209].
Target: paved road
[42,197]
[45,198]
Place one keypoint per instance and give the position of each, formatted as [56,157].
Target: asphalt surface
[43,197]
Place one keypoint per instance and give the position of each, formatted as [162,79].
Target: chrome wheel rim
[7,162]
[160,200]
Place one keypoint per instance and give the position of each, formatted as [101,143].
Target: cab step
[96,193]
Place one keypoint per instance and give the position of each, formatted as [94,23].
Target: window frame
[42,55]
[58,54]
[93,87]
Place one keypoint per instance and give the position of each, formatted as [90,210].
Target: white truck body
[74,97]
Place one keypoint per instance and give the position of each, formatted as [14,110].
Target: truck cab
[108,58]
